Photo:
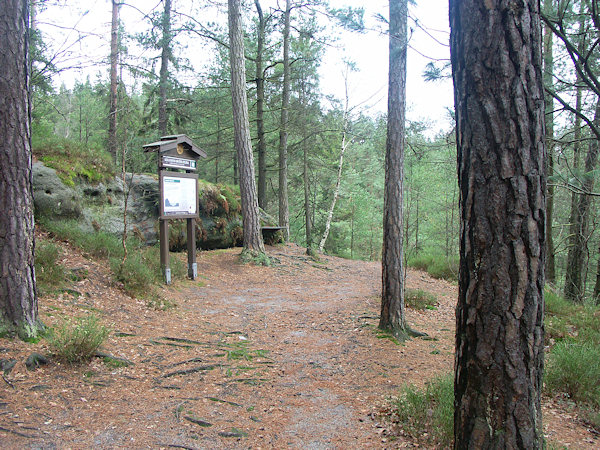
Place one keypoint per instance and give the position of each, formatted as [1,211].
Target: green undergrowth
[140,273]
[77,341]
[438,266]
[50,274]
[426,415]
[73,160]
[254,257]
[419,299]
[572,365]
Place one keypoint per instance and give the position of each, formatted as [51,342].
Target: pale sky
[368,86]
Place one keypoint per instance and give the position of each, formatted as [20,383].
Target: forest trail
[286,356]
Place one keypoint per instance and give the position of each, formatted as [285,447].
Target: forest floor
[286,356]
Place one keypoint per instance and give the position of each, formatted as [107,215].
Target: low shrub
[427,412]
[76,342]
[49,273]
[573,368]
[438,266]
[135,273]
[419,299]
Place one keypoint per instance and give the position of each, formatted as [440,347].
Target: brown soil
[251,357]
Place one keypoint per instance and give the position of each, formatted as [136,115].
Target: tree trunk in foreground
[499,100]
[392,296]
[252,235]
[18,303]
[114,56]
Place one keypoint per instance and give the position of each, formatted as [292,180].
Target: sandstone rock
[51,197]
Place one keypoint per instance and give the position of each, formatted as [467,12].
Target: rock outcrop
[100,207]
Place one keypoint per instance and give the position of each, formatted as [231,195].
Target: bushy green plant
[75,342]
[135,274]
[438,266]
[49,273]
[419,299]
[429,410]
[141,271]
[573,368]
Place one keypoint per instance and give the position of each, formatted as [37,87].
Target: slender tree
[392,296]
[18,303]
[114,57]
[344,146]
[253,242]
[549,122]
[499,99]
[260,108]
[165,56]
[284,212]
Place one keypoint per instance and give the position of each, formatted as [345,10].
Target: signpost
[178,194]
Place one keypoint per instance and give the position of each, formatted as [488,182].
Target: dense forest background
[330,142]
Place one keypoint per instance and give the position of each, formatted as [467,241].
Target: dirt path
[252,357]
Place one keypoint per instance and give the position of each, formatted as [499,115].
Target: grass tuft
[427,414]
[419,299]
[438,266]
[49,273]
[76,342]
[574,369]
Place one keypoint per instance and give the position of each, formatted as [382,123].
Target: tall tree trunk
[284,211]
[549,120]
[574,286]
[499,99]
[572,289]
[218,147]
[260,100]
[253,242]
[164,69]
[18,302]
[114,58]
[305,177]
[392,296]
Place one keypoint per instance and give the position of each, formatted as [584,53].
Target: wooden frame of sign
[178,194]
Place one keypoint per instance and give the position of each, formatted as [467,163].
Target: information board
[179,195]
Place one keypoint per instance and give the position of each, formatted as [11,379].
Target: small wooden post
[164,249]
[191,249]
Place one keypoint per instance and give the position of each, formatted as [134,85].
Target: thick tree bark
[18,303]
[114,57]
[252,236]
[392,296]
[164,69]
[499,100]
[260,109]
[284,212]
[549,120]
